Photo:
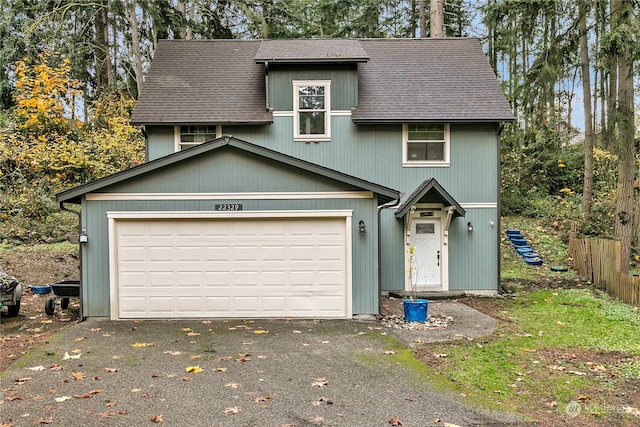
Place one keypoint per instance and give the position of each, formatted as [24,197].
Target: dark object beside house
[64,289]
[10,293]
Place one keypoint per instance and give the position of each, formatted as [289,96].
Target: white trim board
[489,205]
[228,196]
[227,214]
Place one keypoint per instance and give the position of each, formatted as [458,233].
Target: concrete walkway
[467,322]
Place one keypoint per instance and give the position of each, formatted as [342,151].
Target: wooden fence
[598,261]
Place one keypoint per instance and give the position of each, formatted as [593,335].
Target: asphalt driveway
[227,373]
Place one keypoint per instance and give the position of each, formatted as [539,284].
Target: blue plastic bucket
[416,310]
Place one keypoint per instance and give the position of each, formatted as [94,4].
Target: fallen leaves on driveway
[143,344]
[67,356]
[193,369]
[320,382]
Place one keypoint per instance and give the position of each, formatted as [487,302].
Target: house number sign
[228,206]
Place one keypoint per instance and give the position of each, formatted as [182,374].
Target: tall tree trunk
[612,68]
[135,45]
[103,63]
[587,191]
[423,19]
[436,19]
[622,9]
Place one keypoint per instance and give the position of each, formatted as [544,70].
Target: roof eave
[311,60]
[423,189]
[386,120]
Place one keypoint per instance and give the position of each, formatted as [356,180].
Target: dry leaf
[157,419]
[320,382]
[395,421]
[42,420]
[173,353]
[82,396]
[139,344]
[193,334]
[389,352]
[78,375]
[79,339]
[20,381]
[195,356]
[95,329]
[193,369]
[186,329]
[12,398]
[111,370]
[260,332]
[37,368]
[232,385]
[220,370]
[232,411]
[67,356]
[262,399]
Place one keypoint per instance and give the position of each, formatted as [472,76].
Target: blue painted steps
[523,248]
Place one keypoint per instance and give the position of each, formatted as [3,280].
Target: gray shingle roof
[404,80]
[311,50]
[203,81]
[446,79]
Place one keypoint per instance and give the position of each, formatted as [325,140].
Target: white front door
[427,256]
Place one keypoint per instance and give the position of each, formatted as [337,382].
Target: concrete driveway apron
[226,373]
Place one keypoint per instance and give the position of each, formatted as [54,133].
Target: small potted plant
[415,310]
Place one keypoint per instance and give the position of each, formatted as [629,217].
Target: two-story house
[296,178]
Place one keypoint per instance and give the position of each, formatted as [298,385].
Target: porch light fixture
[470,227]
[361,226]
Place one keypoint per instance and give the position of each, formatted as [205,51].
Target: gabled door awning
[430,191]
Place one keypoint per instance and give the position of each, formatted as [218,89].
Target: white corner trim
[489,205]
[224,214]
[230,196]
[113,270]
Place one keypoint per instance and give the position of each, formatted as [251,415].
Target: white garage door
[257,267]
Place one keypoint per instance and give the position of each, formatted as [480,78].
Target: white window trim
[176,136]
[426,163]
[327,116]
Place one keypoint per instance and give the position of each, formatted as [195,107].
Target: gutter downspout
[387,205]
[499,216]
[266,86]
[81,318]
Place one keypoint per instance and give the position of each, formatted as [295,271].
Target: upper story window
[192,135]
[311,110]
[425,144]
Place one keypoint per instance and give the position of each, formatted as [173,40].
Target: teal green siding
[343,81]
[160,141]
[472,256]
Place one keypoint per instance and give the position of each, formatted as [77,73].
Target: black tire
[64,303]
[13,310]
[50,306]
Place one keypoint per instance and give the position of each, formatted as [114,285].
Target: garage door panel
[232,268]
